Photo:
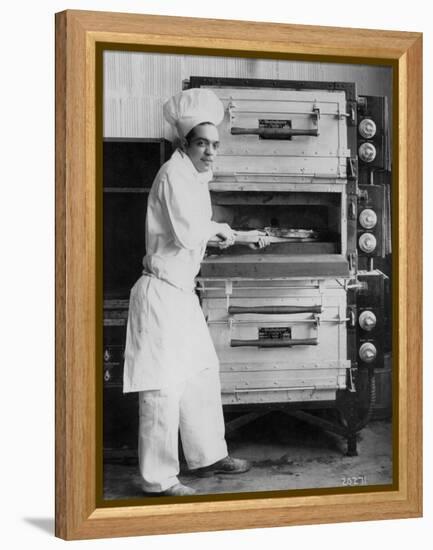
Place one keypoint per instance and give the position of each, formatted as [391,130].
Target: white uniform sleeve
[187,212]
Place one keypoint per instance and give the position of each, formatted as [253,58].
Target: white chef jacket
[167,337]
[178,223]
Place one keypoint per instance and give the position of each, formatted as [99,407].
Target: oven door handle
[282,133]
[275,343]
[275,133]
[273,310]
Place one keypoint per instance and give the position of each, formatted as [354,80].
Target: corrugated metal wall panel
[137,84]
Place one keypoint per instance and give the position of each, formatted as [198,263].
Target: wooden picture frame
[80,35]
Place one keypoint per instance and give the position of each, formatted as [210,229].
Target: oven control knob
[368,218]
[367,128]
[367,242]
[367,152]
[107,355]
[368,352]
[107,375]
[367,320]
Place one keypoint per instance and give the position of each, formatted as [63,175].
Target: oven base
[346,423]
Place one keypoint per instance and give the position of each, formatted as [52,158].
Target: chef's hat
[191,107]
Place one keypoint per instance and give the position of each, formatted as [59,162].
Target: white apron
[167,338]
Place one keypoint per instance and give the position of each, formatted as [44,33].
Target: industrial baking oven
[301,325]
[298,324]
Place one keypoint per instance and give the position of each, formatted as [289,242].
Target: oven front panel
[278,341]
[300,133]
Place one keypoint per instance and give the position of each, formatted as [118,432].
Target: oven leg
[352,421]
[346,405]
[351,445]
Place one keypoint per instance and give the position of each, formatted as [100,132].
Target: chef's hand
[262,239]
[261,243]
[226,233]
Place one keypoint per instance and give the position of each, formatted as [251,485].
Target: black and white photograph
[216,259]
[246,276]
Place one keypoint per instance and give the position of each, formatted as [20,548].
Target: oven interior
[320,212]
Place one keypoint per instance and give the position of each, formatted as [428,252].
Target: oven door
[278,340]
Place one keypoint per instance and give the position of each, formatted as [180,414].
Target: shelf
[296,265]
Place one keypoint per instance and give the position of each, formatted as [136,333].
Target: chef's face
[202,146]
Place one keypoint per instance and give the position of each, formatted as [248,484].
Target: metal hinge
[352,261]
[351,111]
[351,316]
[228,292]
[352,210]
[352,167]
[351,387]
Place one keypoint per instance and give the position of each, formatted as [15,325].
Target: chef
[169,356]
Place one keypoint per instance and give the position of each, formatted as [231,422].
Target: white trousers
[194,408]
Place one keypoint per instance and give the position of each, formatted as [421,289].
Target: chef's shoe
[227,465]
[177,490]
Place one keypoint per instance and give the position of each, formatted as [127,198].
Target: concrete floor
[285,454]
